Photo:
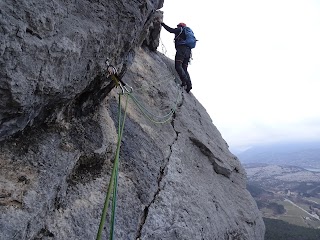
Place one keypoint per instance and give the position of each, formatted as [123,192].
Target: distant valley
[284,179]
[287,193]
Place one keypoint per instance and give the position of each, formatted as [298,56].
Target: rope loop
[113,183]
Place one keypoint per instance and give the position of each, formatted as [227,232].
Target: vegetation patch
[281,230]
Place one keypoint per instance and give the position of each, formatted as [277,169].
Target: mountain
[59,118]
[301,154]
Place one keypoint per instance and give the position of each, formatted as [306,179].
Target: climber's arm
[169,29]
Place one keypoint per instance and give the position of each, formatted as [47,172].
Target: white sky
[256,66]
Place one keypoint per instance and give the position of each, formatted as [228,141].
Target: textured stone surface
[50,51]
[177,180]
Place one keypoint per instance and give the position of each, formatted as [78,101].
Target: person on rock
[183,54]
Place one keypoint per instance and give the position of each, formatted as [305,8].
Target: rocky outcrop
[51,51]
[177,180]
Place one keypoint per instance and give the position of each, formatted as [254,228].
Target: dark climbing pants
[182,58]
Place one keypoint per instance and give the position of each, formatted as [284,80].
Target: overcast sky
[256,66]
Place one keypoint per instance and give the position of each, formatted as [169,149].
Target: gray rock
[59,118]
[51,51]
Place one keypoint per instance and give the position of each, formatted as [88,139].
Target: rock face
[58,120]
[51,51]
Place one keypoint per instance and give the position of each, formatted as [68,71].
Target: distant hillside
[306,155]
[280,230]
[287,193]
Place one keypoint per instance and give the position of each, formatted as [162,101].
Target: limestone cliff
[58,119]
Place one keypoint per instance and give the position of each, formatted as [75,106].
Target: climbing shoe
[189,87]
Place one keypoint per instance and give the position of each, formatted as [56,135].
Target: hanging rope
[114,176]
[147,113]
[155,118]
[113,184]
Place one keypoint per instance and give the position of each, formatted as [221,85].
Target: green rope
[149,117]
[115,189]
[113,184]
[149,112]
[114,177]
[161,119]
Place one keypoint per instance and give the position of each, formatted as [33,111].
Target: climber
[183,53]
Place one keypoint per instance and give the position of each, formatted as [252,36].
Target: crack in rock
[162,175]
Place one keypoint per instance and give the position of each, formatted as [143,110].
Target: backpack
[190,38]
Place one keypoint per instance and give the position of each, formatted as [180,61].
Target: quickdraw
[113,73]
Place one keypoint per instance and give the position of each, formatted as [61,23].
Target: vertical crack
[160,178]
